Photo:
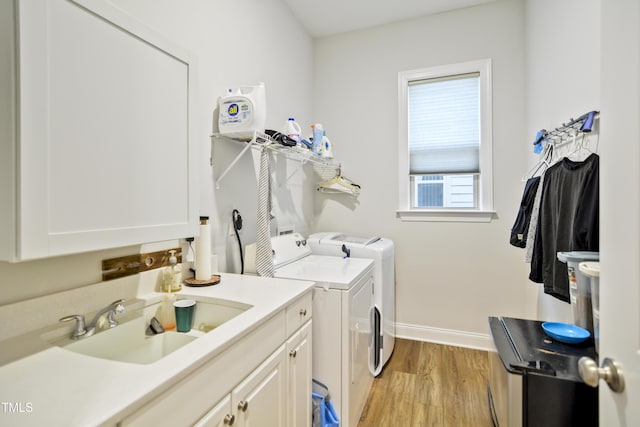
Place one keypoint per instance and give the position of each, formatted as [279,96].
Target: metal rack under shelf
[321,165]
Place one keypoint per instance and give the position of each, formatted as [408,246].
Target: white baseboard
[444,336]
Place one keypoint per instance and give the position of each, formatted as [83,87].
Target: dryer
[381,251]
[342,310]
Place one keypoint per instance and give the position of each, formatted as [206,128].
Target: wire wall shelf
[321,165]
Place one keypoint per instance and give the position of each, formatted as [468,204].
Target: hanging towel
[533,223]
[520,228]
[264,258]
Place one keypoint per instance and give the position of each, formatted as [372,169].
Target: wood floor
[426,384]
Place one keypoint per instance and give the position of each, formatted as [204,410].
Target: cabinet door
[260,400]
[106,131]
[299,349]
[221,415]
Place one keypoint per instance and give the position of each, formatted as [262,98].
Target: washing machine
[381,251]
[342,311]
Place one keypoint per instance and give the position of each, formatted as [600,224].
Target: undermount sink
[128,342]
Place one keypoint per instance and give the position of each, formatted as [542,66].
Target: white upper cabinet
[96,128]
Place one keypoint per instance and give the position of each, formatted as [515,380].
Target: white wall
[562,82]
[235,43]
[450,276]
[238,44]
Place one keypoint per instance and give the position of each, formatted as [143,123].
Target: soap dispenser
[166,312]
[172,282]
[172,275]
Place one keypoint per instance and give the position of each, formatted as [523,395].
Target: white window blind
[444,125]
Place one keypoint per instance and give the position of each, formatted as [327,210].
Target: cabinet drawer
[299,312]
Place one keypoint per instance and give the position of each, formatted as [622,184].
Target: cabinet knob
[303,312]
[229,419]
[243,405]
[293,353]
[611,372]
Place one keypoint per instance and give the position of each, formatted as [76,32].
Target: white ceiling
[326,17]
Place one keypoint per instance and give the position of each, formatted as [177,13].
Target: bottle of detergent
[318,134]
[327,148]
[242,112]
[292,130]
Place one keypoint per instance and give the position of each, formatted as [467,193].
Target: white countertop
[57,387]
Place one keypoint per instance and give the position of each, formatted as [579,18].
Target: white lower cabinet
[221,415]
[299,350]
[260,400]
[279,389]
[262,380]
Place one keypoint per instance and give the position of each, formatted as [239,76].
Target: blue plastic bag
[330,416]
[326,412]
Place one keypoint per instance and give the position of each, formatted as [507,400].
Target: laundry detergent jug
[292,130]
[242,112]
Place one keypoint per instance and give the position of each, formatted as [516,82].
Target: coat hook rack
[584,123]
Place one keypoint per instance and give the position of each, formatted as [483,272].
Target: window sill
[445,215]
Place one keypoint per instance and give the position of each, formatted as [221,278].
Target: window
[445,143]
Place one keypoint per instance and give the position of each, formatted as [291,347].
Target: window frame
[484,211]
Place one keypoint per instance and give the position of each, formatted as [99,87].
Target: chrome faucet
[83,331]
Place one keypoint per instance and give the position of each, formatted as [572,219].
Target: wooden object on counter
[214,280]
[114,268]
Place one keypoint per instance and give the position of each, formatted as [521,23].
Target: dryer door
[361,330]
[361,302]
